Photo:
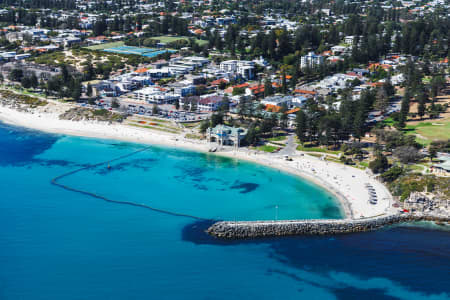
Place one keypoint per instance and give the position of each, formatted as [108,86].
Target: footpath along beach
[348,184]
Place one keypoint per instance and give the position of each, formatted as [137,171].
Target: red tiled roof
[273,108]
[219,81]
[305,92]
[292,111]
[141,70]
[97,38]
[256,87]
[243,85]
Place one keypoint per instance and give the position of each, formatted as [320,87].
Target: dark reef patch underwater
[20,145]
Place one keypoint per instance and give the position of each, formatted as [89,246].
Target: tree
[115,103]
[437,83]
[155,109]
[438,146]
[379,164]
[224,105]
[381,100]
[76,91]
[359,122]
[407,154]
[238,91]
[65,74]
[392,174]
[388,87]
[283,120]
[218,43]
[34,81]
[404,109]
[422,99]
[89,71]
[204,125]
[222,85]
[268,89]
[301,128]
[252,135]
[100,27]
[15,75]
[267,124]
[26,83]
[89,90]
[283,80]
[242,107]
[216,119]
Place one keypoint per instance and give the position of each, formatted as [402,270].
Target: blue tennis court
[142,51]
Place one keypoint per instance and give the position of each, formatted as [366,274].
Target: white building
[277,100]
[155,95]
[311,60]
[244,68]
[349,39]
[209,103]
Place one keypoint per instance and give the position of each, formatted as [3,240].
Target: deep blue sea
[60,244]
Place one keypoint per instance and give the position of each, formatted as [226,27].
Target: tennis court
[142,51]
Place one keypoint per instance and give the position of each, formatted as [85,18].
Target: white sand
[347,183]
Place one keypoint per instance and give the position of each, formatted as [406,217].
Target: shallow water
[58,244]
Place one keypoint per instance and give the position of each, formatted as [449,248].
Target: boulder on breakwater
[255,229]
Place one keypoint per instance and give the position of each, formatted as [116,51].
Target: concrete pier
[255,229]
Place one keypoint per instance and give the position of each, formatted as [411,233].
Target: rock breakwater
[255,229]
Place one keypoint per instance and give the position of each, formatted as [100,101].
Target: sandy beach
[347,183]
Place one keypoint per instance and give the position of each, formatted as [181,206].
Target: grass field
[106,46]
[388,121]
[267,148]
[316,149]
[169,39]
[430,131]
[277,138]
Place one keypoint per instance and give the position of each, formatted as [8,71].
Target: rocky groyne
[255,229]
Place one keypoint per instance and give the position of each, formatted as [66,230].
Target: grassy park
[169,39]
[429,131]
[105,46]
[267,148]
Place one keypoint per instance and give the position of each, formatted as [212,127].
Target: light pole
[276,212]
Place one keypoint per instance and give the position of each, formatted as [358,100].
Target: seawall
[255,229]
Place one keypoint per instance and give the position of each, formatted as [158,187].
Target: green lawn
[388,122]
[430,131]
[169,39]
[267,148]
[277,138]
[193,136]
[364,164]
[190,125]
[316,149]
[106,46]
[23,91]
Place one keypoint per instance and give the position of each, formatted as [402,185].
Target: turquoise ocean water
[59,244]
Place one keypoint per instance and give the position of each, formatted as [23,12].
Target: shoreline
[345,183]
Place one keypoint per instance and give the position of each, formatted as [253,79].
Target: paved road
[291,145]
